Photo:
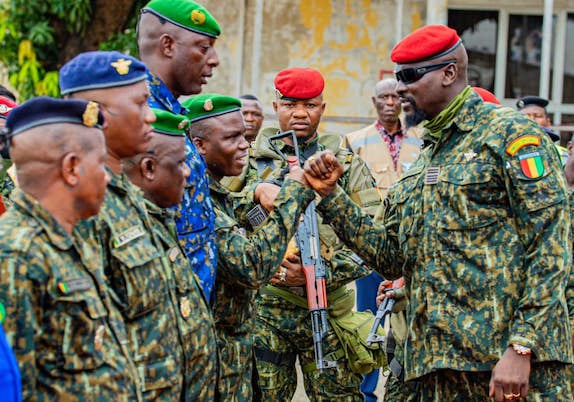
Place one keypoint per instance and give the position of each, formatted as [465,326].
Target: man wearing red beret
[479,228]
[283,327]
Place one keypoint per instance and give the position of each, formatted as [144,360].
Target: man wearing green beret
[244,262]
[176,41]
[161,173]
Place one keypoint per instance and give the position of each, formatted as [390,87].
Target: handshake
[320,172]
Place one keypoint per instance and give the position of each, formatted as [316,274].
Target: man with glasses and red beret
[479,228]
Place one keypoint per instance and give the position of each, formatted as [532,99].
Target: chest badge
[185,307]
[173,253]
[432,175]
[131,234]
[99,337]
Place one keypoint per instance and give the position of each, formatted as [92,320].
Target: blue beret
[96,70]
[531,100]
[43,110]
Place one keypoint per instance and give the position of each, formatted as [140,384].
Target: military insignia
[2,313]
[520,104]
[470,155]
[432,175]
[74,285]
[173,253]
[131,234]
[182,124]
[208,105]
[90,116]
[197,17]
[99,337]
[185,307]
[122,66]
[531,165]
[522,142]
[5,109]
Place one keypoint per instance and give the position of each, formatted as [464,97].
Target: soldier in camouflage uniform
[6,182]
[161,173]
[283,329]
[176,41]
[68,337]
[244,263]
[479,227]
[132,255]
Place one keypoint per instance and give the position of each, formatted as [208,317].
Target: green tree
[38,36]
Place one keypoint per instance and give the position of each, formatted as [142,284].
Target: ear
[167,45]
[374,100]
[323,106]
[275,106]
[148,168]
[70,169]
[200,144]
[450,74]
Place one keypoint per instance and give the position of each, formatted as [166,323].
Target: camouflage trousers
[549,382]
[235,366]
[283,331]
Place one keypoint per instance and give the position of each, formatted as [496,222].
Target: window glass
[568,92]
[478,30]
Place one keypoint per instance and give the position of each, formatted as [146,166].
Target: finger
[524,390]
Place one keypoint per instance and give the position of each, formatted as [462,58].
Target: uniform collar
[161,97]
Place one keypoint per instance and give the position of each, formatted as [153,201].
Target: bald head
[150,29]
[386,85]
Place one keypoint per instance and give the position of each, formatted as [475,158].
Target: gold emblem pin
[208,105]
[122,66]
[99,337]
[90,116]
[185,307]
[182,124]
[197,17]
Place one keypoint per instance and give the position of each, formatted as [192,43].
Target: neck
[61,210]
[391,127]
[114,164]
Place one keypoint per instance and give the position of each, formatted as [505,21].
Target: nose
[107,177]
[401,88]
[244,144]
[248,117]
[149,116]
[186,171]
[300,110]
[213,60]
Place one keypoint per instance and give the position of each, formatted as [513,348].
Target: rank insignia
[173,253]
[122,66]
[432,175]
[99,337]
[2,313]
[197,17]
[208,105]
[90,116]
[185,307]
[74,285]
[131,234]
[522,142]
[531,165]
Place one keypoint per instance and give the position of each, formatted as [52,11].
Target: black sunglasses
[413,74]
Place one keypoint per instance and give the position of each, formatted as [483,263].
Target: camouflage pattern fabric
[195,323]
[470,213]
[548,383]
[244,264]
[283,328]
[68,338]
[6,183]
[195,218]
[133,266]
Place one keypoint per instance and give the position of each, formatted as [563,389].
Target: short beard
[415,117]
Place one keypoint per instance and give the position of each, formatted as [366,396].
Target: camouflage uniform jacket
[133,266]
[69,339]
[357,181]
[481,239]
[196,326]
[195,219]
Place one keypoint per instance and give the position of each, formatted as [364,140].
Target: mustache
[416,116]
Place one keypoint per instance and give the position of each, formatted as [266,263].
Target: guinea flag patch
[531,165]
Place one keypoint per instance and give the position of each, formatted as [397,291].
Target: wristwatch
[521,349]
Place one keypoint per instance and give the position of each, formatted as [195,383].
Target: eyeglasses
[413,74]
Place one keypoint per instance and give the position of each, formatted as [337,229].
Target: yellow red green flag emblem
[531,165]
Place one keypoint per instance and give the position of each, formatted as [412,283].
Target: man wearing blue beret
[133,259]
[161,173]
[68,336]
[176,41]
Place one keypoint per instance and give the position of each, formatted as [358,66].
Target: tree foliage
[38,36]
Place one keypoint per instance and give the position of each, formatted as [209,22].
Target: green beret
[185,14]
[168,123]
[205,106]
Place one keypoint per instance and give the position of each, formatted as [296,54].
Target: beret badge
[5,109]
[183,124]
[198,17]
[122,66]
[208,105]
[520,104]
[90,116]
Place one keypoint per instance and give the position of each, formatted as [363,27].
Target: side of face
[302,116]
[538,114]
[225,146]
[387,104]
[193,60]
[92,177]
[252,116]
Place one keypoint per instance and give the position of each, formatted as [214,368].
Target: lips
[299,125]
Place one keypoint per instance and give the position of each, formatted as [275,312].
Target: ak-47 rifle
[385,308]
[307,237]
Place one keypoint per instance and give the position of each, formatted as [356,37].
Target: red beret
[425,43]
[486,95]
[6,105]
[299,83]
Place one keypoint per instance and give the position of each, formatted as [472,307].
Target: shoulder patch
[531,165]
[522,142]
